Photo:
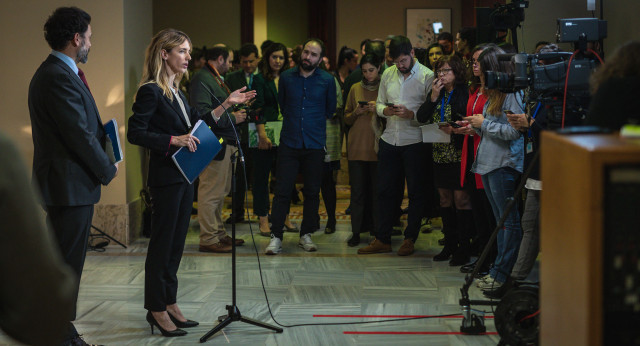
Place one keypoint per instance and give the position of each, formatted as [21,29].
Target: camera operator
[500,161]
[615,88]
[531,123]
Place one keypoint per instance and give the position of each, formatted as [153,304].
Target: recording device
[363,103]
[449,123]
[437,26]
[389,104]
[546,81]
[508,16]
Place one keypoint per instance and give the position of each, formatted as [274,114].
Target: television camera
[551,76]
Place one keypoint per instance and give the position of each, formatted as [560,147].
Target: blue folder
[113,147]
[191,164]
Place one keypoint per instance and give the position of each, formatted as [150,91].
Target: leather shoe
[354,240]
[226,240]
[217,248]
[443,255]
[406,248]
[231,219]
[293,229]
[78,341]
[376,246]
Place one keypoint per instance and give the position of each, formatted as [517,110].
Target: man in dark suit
[69,162]
[236,80]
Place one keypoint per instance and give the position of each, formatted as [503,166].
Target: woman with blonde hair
[161,122]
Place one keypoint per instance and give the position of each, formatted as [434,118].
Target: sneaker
[307,244]
[488,282]
[274,247]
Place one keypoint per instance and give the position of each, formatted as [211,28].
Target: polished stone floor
[333,285]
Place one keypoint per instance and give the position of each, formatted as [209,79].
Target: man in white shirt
[403,89]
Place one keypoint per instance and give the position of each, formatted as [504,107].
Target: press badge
[529,147]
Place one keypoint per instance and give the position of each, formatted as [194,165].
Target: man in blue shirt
[307,97]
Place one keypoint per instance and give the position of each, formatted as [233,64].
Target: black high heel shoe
[180,324]
[152,322]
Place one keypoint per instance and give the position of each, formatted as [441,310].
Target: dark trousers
[241,188]
[412,159]
[432,198]
[71,226]
[262,161]
[329,194]
[309,162]
[169,224]
[363,176]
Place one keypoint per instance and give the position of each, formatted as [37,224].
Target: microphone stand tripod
[234,314]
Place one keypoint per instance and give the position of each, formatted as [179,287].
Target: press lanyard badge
[529,147]
[443,105]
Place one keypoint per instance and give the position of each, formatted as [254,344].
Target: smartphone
[508,112]
[443,123]
[389,104]
[363,103]
[454,125]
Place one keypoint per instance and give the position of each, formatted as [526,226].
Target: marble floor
[333,286]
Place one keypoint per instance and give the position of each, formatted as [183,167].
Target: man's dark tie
[84,80]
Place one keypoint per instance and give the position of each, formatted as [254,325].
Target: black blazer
[154,121]
[266,103]
[69,161]
[236,80]
[458,104]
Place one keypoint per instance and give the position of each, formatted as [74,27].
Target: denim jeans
[499,185]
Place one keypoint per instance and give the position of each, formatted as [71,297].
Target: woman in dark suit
[161,122]
[274,61]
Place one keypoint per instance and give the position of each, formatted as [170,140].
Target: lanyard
[534,116]
[442,105]
[217,78]
[473,108]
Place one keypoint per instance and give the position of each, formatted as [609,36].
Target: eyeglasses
[443,71]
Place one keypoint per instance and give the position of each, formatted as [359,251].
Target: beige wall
[138,30]
[26,49]
[206,22]
[360,19]
[287,22]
